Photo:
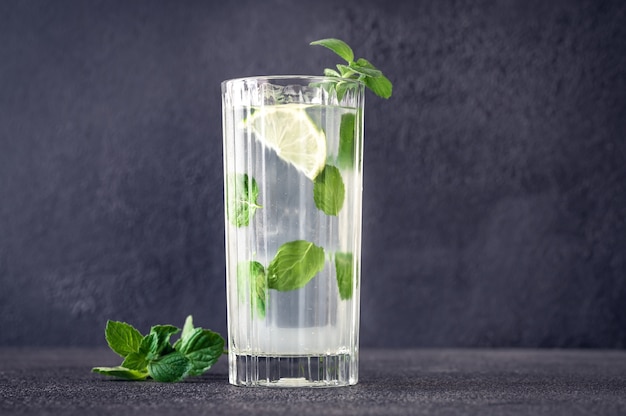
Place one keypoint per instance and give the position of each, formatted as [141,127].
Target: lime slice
[290,132]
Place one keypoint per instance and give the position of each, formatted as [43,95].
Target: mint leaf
[121,372]
[169,368]
[157,342]
[345,71]
[340,47]
[136,361]
[344,271]
[163,334]
[242,192]
[202,348]
[345,154]
[329,191]
[381,86]
[341,88]
[187,327]
[122,337]
[294,265]
[252,274]
[331,73]
[362,69]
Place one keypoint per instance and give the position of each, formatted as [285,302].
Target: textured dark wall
[495,184]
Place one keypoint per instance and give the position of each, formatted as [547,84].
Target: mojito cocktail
[293,186]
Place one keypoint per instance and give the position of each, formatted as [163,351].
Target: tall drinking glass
[293,149]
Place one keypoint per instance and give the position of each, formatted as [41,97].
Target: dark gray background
[495,182]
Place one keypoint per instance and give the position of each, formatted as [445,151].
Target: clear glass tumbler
[293,148]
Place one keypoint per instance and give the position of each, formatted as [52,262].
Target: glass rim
[318,78]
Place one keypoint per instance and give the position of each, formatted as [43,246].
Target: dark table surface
[392,382]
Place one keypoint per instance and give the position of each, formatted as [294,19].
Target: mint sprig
[153,356]
[361,70]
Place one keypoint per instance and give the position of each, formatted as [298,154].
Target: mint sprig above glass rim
[360,69]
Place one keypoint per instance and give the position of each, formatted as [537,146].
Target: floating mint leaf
[329,191]
[169,368]
[344,271]
[251,274]
[345,154]
[242,193]
[121,372]
[122,337]
[294,265]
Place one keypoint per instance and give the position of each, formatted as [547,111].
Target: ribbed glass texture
[291,337]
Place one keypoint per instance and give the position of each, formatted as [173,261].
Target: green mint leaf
[345,70]
[327,86]
[338,46]
[381,86]
[294,265]
[136,361]
[187,327]
[341,88]
[169,368]
[252,274]
[187,331]
[329,191]
[344,271]
[148,347]
[345,154]
[163,334]
[121,372]
[202,348]
[242,192]
[364,70]
[364,63]
[122,337]
[331,73]
[157,342]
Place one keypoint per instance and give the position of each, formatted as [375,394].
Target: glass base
[293,370]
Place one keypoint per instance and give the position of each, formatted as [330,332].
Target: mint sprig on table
[360,69]
[153,356]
